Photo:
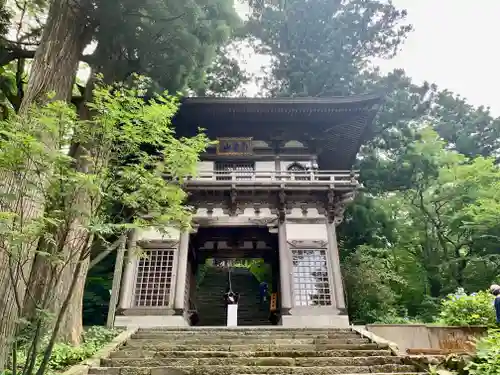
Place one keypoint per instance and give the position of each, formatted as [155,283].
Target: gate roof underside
[337,126]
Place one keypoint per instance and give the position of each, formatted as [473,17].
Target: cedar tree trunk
[54,67]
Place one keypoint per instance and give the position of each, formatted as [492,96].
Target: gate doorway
[243,258]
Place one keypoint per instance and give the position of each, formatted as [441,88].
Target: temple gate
[275,187]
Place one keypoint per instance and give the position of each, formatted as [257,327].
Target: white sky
[455,44]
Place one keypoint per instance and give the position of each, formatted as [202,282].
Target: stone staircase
[210,302]
[245,351]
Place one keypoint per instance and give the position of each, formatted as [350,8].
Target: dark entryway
[240,257]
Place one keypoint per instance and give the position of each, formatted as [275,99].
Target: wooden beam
[115,288]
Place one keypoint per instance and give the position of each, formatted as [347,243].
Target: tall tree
[320,47]
[149,32]
[53,71]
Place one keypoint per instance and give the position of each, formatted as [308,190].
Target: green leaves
[460,309]
[321,47]
[130,149]
[487,359]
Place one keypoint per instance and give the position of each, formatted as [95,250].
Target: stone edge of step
[379,369]
[361,361]
[93,362]
[249,354]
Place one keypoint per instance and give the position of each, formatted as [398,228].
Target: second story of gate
[303,143]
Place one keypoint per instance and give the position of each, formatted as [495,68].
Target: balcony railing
[305,178]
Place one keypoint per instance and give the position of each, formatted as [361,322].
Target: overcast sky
[455,44]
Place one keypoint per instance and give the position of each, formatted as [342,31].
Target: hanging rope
[229,279]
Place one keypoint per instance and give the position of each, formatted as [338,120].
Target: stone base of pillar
[284,311]
[315,321]
[150,321]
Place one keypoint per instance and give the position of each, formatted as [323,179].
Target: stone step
[256,330]
[254,361]
[164,346]
[253,339]
[138,353]
[233,370]
[269,340]
[243,334]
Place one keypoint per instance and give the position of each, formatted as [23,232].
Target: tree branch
[154,19]
[12,52]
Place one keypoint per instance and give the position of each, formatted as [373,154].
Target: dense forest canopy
[426,222]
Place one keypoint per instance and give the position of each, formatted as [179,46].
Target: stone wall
[411,338]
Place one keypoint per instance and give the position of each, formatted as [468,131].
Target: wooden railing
[306,177]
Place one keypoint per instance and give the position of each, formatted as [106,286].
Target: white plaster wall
[205,166]
[264,166]
[302,232]
[154,234]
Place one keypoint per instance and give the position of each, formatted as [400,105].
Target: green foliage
[438,233]
[460,309]
[117,171]
[64,356]
[320,47]
[427,220]
[97,292]
[262,272]
[487,359]
[172,42]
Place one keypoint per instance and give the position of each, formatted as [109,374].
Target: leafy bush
[262,272]
[395,319]
[460,309]
[487,359]
[64,356]
[94,339]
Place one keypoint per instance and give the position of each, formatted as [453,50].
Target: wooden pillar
[115,288]
[285,272]
[128,283]
[180,280]
[333,250]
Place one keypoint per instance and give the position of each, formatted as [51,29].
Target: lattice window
[311,286]
[243,170]
[154,278]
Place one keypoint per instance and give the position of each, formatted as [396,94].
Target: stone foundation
[151,321]
[315,321]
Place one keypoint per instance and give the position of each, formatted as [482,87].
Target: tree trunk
[72,325]
[54,67]
[64,38]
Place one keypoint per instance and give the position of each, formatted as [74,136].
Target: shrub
[395,319]
[487,359]
[64,356]
[460,309]
[94,339]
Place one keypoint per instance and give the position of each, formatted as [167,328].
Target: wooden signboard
[234,146]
